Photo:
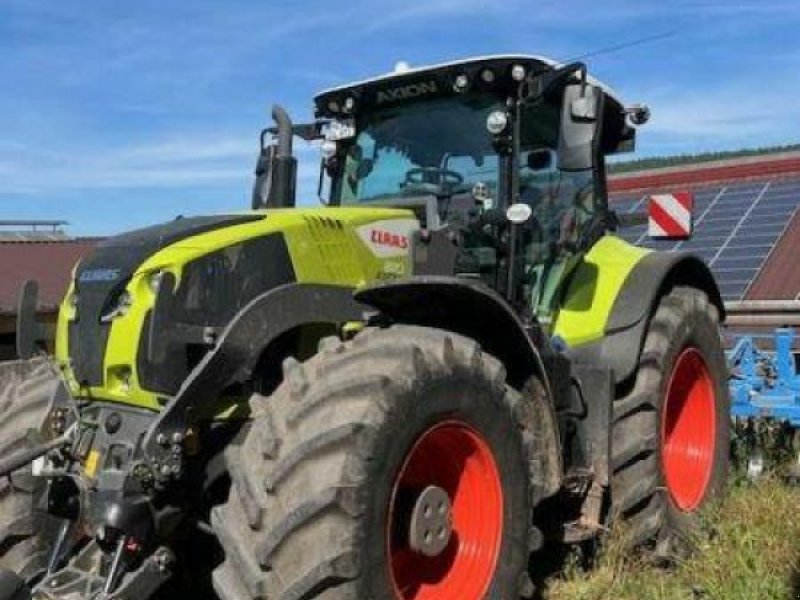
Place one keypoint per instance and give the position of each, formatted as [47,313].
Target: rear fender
[652,277]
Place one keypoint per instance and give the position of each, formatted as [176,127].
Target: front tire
[26,388]
[333,475]
[671,431]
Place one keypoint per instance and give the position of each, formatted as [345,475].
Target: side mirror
[580,125]
[584,109]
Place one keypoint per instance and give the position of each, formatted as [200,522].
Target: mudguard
[239,347]
[653,276]
[465,307]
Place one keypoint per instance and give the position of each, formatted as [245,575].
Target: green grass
[748,549]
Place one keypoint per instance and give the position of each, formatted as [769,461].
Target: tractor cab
[504,153]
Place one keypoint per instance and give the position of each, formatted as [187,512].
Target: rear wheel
[25,392]
[395,466]
[671,432]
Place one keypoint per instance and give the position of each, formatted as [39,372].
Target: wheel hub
[431,522]
[445,517]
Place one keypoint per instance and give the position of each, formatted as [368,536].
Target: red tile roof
[779,278]
[762,167]
[50,263]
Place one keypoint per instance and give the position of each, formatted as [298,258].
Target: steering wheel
[422,176]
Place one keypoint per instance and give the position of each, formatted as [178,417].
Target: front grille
[213,290]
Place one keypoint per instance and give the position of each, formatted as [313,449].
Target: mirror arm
[535,86]
[309,132]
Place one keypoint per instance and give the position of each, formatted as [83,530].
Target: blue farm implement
[765,400]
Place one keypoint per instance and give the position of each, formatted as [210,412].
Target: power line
[627,44]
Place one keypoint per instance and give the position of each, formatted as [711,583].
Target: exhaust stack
[276,169]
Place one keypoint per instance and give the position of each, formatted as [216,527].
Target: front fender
[238,349]
[467,308]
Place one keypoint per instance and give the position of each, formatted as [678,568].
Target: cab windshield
[439,146]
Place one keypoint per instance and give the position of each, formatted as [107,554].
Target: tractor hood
[120,339]
[101,278]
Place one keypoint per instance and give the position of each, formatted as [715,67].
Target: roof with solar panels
[746,220]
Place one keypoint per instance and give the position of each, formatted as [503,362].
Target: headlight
[518,73]
[496,122]
[154,281]
[121,309]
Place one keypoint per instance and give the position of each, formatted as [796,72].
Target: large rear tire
[671,433]
[26,388]
[349,460]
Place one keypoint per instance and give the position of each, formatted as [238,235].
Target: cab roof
[329,102]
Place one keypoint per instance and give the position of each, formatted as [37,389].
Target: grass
[748,549]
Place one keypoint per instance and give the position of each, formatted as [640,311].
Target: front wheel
[396,466]
[671,433]
[26,388]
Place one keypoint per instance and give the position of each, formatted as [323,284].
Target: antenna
[625,45]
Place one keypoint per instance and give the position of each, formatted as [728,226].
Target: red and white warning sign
[670,215]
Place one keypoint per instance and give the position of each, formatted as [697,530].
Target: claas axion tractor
[402,394]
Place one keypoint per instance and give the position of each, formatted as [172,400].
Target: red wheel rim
[688,434]
[456,458]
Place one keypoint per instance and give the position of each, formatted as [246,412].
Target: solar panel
[735,229]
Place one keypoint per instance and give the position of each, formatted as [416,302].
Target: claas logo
[388,239]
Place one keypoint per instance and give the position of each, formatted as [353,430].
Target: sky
[115,115]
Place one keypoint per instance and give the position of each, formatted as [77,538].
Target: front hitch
[95,574]
[92,466]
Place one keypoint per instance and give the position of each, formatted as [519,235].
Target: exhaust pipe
[284,126]
[276,169]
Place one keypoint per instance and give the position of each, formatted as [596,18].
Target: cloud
[774,10]
[423,12]
[170,162]
[724,117]
[167,163]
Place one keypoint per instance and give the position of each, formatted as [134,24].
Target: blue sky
[114,115]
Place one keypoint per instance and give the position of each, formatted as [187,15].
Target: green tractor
[402,394]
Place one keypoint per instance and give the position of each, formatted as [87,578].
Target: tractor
[402,394]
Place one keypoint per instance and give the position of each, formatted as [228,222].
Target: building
[38,250]
[746,227]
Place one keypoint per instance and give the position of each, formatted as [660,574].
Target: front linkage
[105,498]
[117,475]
